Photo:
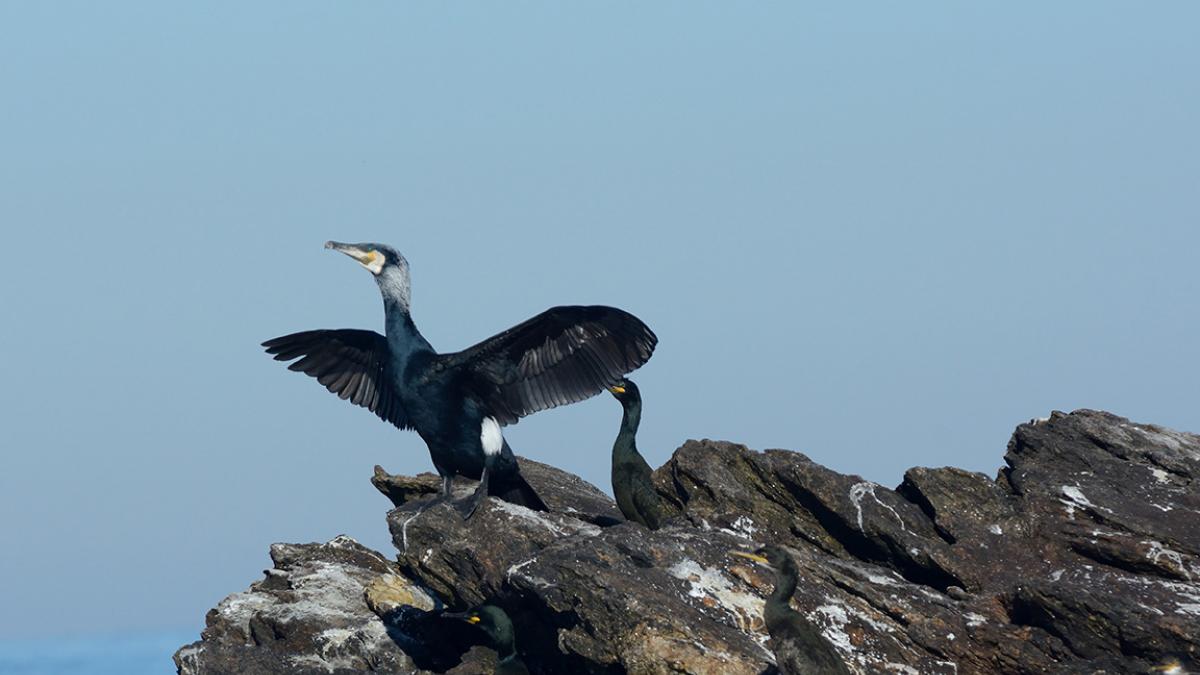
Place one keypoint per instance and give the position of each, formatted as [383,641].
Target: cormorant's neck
[395,287]
[402,334]
[630,420]
[779,604]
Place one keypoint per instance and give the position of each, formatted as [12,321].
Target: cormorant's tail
[513,488]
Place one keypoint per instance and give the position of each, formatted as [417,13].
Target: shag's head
[626,392]
[389,268]
[771,556]
[491,620]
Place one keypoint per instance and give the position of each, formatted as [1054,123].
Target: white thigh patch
[491,437]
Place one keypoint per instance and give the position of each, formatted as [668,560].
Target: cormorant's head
[375,257]
[385,263]
[490,619]
[771,556]
[625,391]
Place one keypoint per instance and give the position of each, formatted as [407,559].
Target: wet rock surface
[1081,556]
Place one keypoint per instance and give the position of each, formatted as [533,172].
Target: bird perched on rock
[494,622]
[632,486]
[459,401]
[799,647]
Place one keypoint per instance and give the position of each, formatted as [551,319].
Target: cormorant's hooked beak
[617,389]
[751,556]
[370,259]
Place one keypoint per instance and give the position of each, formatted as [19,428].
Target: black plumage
[494,622]
[631,474]
[561,356]
[799,647]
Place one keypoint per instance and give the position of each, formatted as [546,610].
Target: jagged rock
[1081,556]
[307,615]
[561,491]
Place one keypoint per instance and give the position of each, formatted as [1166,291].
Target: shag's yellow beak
[750,556]
[617,389]
[473,620]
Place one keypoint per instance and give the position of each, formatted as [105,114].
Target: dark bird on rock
[494,622]
[632,486]
[799,647]
[459,401]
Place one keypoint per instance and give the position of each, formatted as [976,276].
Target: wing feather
[561,356]
[353,364]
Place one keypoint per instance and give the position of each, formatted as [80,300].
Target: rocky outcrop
[1082,555]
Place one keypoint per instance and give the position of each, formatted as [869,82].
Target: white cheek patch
[491,437]
[375,263]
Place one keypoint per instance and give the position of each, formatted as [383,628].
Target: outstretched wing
[563,355]
[354,364]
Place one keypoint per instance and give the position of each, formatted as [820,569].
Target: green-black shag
[632,486]
[494,622]
[458,401]
[798,646]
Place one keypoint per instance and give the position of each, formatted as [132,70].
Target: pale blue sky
[879,235]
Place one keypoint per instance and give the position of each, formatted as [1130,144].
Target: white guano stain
[533,517]
[404,529]
[705,582]
[742,527]
[1075,500]
[833,619]
[860,490]
[1158,551]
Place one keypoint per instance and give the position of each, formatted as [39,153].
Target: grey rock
[1081,556]
[307,615]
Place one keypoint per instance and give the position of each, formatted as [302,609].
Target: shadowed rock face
[1083,555]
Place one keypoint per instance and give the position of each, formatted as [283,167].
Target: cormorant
[799,647]
[631,482]
[458,402]
[496,625]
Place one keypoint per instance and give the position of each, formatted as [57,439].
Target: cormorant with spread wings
[458,402]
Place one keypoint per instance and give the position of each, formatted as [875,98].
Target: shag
[799,647]
[499,628]
[631,482]
[459,401]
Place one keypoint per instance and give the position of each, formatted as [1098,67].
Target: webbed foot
[468,506]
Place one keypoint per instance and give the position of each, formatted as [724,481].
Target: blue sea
[145,654]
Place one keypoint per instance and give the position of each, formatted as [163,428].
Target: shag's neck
[505,644]
[625,444]
[779,604]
